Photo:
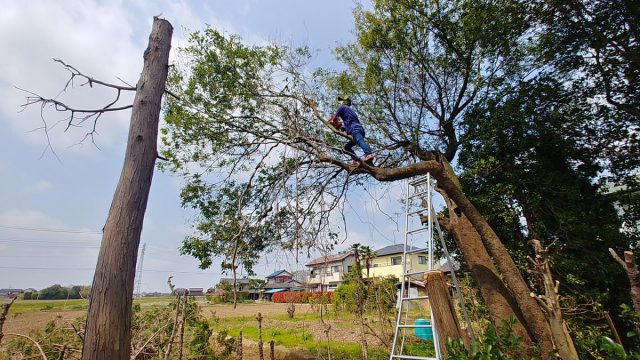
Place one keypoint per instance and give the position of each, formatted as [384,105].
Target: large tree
[247,129]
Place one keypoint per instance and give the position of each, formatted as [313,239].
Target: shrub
[301,297]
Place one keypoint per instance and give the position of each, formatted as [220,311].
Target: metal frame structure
[423,190]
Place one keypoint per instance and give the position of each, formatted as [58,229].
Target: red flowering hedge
[300,297]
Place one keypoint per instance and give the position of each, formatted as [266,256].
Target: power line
[53,230]
[77,268]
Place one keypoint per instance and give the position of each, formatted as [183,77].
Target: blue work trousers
[358,139]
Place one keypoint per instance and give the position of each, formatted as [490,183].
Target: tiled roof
[393,249]
[239,281]
[330,258]
[276,273]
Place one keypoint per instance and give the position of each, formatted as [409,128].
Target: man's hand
[335,122]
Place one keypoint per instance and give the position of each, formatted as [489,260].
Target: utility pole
[139,276]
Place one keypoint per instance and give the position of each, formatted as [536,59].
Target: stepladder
[426,316]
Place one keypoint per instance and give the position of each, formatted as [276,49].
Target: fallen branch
[33,341]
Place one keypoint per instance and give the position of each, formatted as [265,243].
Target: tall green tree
[247,129]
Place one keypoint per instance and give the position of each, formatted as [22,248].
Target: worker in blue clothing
[352,126]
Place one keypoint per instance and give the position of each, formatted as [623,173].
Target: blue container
[423,332]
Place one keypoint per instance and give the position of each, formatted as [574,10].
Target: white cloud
[39,186]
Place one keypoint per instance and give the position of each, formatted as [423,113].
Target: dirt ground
[342,330]
[24,323]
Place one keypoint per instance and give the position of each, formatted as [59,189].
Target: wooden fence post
[239,347]
[260,349]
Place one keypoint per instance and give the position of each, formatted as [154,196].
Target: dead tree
[550,304]
[108,326]
[183,322]
[629,265]
[360,301]
[108,329]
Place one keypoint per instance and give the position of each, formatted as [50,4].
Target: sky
[54,200]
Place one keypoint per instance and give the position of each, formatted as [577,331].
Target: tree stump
[442,310]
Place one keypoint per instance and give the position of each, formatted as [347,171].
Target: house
[196,292]
[327,272]
[281,280]
[10,292]
[245,285]
[388,261]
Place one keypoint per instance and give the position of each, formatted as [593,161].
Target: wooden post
[272,350]
[108,326]
[442,309]
[260,348]
[614,331]
[239,347]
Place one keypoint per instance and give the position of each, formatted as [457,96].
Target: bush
[301,297]
[492,346]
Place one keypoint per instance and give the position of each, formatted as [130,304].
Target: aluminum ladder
[418,203]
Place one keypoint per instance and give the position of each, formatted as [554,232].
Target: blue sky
[106,39]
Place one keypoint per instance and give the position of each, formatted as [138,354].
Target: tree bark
[108,327]
[531,311]
[550,303]
[629,265]
[442,309]
[500,303]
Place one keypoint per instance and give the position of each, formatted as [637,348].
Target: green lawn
[293,337]
[26,306]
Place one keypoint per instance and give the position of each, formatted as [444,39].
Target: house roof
[279,272]
[393,249]
[330,258]
[288,285]
[446,266]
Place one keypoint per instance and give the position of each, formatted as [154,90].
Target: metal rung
[417,230]
[410,357]
[419,180]
[415,326]
[415,298]
[418,194]
[417,211]
[417,250]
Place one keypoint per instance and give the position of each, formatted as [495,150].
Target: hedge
[300,297]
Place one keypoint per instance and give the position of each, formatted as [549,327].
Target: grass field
[304,334]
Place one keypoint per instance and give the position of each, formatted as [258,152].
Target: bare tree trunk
[173,329]
[500,303]
[108,327]
[360,303]
[183,322]
[442,309]
[550,303]
[629,265]
[531,311]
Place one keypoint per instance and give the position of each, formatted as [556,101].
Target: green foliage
[614,351]
[492,346]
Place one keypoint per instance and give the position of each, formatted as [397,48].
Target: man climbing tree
[352,126]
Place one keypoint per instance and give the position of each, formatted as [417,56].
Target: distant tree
[54,292]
